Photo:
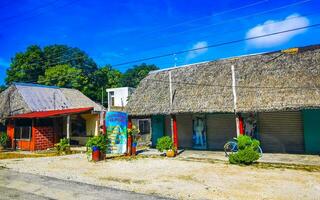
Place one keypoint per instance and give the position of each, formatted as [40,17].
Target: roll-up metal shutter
[220,129]
[281,132]
[184,126]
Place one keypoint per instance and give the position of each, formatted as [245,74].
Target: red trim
[129,141]
[51,113]
[175,131]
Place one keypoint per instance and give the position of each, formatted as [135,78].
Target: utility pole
[174,130]
[102,96]
[234,92]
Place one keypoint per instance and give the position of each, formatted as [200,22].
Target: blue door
[157,125]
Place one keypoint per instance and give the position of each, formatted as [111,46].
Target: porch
[41,130]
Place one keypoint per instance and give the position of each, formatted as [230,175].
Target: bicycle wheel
[230,148]
[259,150]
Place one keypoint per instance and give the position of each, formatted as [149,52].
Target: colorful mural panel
[117,123]
[199,133]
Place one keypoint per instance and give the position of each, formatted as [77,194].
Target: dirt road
[14,185]
[179,178]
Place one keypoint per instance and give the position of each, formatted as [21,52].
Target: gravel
[176,178]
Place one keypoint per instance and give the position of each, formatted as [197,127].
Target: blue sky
[113,32]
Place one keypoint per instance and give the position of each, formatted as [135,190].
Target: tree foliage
[27,66]
[65,66]
[64,76]
[133,76]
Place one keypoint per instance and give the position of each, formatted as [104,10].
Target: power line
[231,31]
[30,11]
[217,45]
[41,13]
[238,86]
[230,20]
[205,17]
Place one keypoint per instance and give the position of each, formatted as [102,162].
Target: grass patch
[38,154]
[123,180]
[261,165]
[131,158]
[188,178]
[308,168]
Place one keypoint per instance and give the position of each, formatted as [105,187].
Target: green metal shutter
[184,123]
[220,129]
[281,132]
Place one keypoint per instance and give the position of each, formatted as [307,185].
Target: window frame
[144,120]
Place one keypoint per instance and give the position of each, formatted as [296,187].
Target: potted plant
[97,147]
[165,144]
[134,132]
[3,140]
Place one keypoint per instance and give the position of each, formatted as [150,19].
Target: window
[23,129]
[78,127]
[112,98]
[144,126]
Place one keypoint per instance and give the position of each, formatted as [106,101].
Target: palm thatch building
[37,116]
[276,97]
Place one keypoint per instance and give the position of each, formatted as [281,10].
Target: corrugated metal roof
[44,98]
[40,98]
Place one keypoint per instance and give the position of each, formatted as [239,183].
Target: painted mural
[250,125]
[199,133]
[117,123]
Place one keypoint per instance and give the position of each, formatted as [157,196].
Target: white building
[118,97]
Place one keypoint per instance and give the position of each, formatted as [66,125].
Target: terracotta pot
[170,153]
[95,154]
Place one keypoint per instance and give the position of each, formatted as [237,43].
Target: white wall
[120,95]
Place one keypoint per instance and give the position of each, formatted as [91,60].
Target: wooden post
[174,131]
[68,127]
[129,141]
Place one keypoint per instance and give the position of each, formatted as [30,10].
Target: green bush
[247,151]
[4,139]
[63,146]
[164,143]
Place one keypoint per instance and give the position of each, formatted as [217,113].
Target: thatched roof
[21,98]
[265,82]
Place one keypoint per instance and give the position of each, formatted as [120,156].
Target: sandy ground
[178,178]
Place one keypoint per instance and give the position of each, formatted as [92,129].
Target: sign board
[117,123]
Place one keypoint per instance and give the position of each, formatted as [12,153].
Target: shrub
[97,141]
[164,143]
[247,151]
[4,139]
[63,146]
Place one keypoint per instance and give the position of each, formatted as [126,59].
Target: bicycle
[232,147]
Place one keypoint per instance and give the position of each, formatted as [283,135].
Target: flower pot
[170,153]
[95,153]
[134,149]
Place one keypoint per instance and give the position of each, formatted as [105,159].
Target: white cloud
[193,54]
[271,26]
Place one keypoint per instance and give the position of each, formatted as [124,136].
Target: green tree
[106,77]
[65,76]
[27,66]
[133,76]
[2,88]
[74,57]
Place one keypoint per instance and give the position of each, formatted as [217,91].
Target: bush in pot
[97,144]
[165,143]
[134,132]
[3,140]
